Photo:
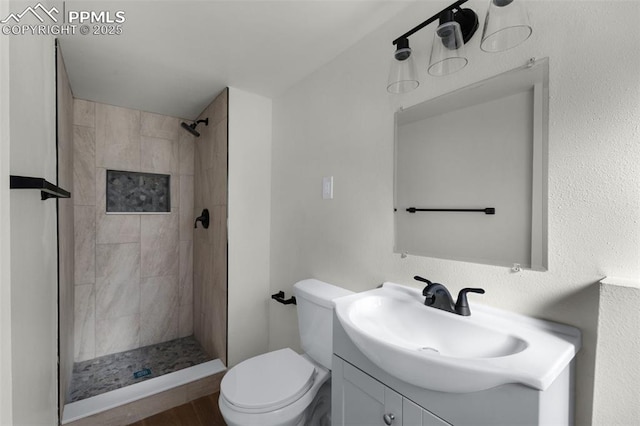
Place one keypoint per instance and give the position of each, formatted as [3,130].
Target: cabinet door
[360,400]
[414,415]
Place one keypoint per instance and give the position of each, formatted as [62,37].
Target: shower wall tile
[117,334]
[84,166]
[117,137]
[218,239]
[160,248]
[159,309]
[160,126]
[216,298]
[175,197]
[159,227]
[202,254]
[117,280]
[199,186]
[186,273]
[209,246]
[217,112]
[185,322]
[186,154]
[116,299]
[197,307]
[85,244]
[203,156]
[217,182]
[84,113]
[158,155]
[160,258]
[113,310]
[117,228]
[187,213]
[220,149]
[85,323]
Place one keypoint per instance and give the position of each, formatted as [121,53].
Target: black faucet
[437,296]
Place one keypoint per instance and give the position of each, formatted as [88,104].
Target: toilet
[283,388]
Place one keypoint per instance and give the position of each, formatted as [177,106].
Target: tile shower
[134,273]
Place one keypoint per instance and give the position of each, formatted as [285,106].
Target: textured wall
[249,223]
[34,284]
[210,245]
[339,121]
[133,271]
[6,389]
[615,370]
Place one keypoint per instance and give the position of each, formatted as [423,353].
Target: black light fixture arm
[428,21]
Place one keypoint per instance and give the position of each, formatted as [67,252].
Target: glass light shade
[447,51]
[402,76]
[506,25]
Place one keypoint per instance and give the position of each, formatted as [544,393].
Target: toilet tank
[315,317]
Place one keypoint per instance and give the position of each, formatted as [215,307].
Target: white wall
[5,233]
[33,266]
[339,122]
[618,297]
[249,224]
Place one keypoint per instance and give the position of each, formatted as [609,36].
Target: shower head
[191,128]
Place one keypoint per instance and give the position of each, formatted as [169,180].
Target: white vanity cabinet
[363,393]
[360,400]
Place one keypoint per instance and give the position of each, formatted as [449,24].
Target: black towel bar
[488,210]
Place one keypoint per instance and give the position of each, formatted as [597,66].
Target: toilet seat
[268,382]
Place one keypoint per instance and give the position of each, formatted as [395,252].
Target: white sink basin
[442,351]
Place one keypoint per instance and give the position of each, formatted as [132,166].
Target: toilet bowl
[284,388]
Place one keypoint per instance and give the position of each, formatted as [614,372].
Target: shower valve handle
[203,218]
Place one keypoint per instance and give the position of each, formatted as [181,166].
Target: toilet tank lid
[319,292]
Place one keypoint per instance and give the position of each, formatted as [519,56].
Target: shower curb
[180,387]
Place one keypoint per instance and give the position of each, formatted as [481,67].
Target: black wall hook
[203,218]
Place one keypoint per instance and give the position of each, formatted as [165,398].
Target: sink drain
[429,349]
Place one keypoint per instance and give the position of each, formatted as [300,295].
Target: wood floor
[200,412]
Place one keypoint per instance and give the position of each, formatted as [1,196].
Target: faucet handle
[462,304]
[425,291]
[424,280]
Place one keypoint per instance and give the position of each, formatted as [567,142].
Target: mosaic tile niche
[134,192]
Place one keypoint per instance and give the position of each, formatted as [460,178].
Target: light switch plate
[327,188]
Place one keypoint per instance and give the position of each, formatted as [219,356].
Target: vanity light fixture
[506,25]
[447,51]
[402,76]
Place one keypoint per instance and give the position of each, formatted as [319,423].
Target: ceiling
[174,57]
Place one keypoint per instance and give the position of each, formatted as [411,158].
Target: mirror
[471,172]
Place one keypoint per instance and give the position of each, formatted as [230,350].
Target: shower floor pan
[159,375]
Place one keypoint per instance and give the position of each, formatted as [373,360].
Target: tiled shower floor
[99,375]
